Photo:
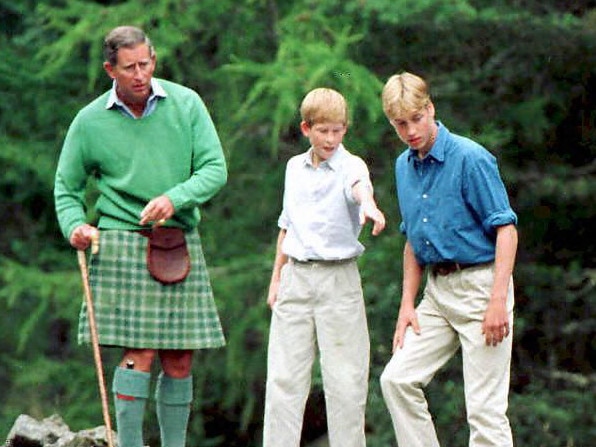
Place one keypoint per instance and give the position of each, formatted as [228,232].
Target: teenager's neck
[422,152]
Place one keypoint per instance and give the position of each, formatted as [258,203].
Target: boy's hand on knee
[405,319]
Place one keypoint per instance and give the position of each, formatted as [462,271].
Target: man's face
[132,74]
[416,129]
[324,138]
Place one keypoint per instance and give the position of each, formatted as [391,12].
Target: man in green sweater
[155,155]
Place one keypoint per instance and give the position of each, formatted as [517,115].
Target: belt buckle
[445,268]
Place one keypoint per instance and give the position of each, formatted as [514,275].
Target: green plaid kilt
[133,310]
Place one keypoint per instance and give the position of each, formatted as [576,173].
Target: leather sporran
[168,260]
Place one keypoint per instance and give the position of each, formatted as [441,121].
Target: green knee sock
[131,390]
[173,397]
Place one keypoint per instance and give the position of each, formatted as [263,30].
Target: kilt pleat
[135,311]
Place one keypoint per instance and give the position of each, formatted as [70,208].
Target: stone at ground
[53,432]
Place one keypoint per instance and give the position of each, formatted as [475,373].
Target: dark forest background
[519,76]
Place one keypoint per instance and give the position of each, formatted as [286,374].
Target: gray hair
[124,37]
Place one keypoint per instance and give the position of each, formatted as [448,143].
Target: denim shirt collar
[437,152]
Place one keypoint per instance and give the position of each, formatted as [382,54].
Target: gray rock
[53,432]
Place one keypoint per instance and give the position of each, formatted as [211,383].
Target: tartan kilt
[133,310]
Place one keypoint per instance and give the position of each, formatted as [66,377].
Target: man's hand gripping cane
[84,236]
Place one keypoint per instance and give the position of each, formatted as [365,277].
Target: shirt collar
[438,150]
[332,162]
[157,91]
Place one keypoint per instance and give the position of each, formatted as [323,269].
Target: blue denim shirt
[451,201]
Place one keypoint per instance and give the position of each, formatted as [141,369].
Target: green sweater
[174,151]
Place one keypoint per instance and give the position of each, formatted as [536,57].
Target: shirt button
[425,196]
[425,220]
[427,242]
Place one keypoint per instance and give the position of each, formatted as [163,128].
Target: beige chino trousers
[450,315]
[319,304]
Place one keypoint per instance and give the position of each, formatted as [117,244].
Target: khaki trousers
[450,315]
[318,304]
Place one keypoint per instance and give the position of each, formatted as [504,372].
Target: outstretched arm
[368,207]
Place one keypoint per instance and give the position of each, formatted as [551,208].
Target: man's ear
[109,69]
[431,109]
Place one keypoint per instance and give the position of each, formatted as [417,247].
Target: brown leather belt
[445,268]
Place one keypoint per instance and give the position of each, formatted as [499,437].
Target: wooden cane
[94,339]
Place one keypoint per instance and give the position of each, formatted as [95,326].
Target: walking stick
[94,339]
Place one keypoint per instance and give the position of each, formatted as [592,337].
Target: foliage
[545,419]
[518,76]
[301,65]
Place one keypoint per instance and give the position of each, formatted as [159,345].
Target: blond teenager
[460,230]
